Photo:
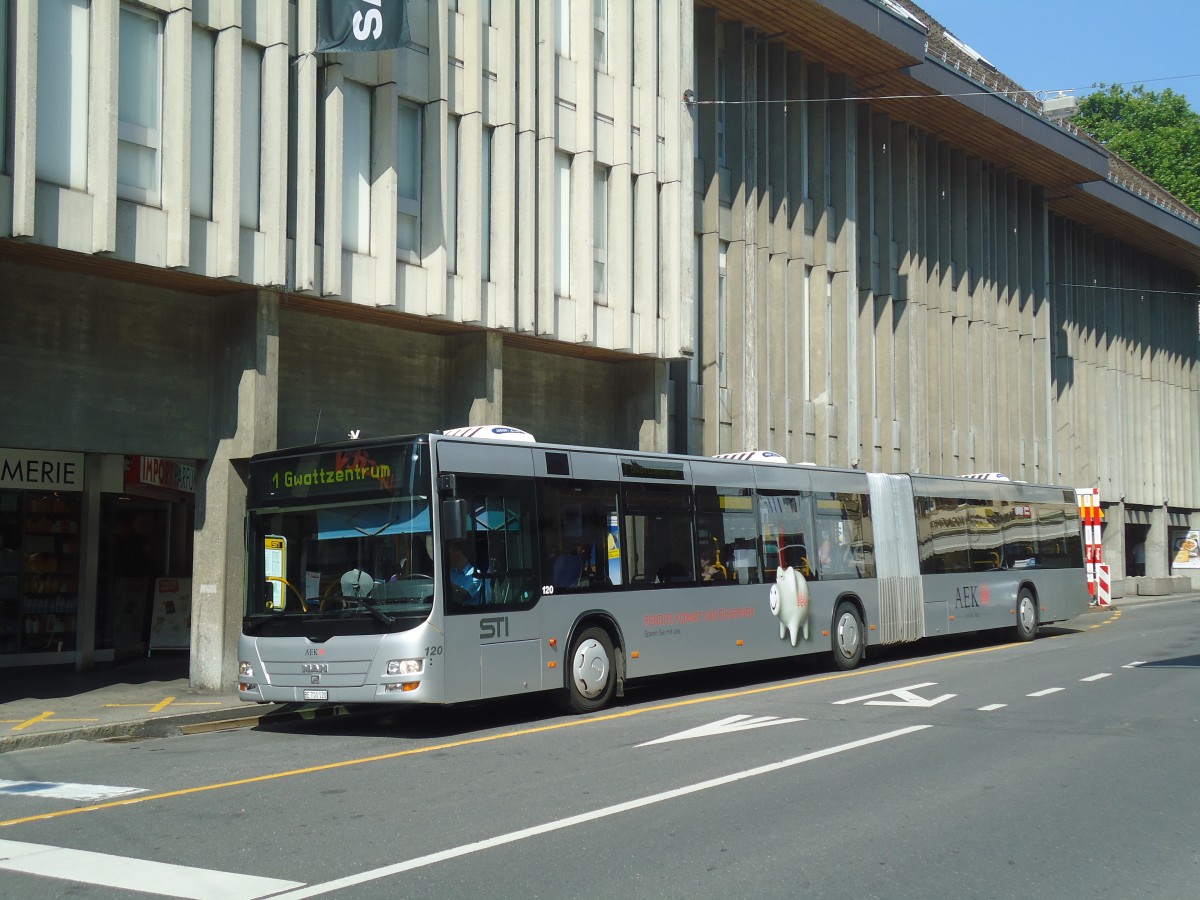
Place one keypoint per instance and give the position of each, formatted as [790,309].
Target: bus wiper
[375,611]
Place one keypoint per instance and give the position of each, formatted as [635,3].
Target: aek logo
[972,595]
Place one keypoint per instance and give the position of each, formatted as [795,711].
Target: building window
[452,194]
[139,118]
[600,233]
[408,178]
[62,101]
[485,249]
[600,35]
[562,28]
[252,58]
[356,168]
[562,224]
[204,45]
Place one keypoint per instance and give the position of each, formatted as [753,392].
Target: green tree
[1158,134]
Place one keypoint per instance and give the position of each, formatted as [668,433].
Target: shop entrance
[1135,549]
[144,540]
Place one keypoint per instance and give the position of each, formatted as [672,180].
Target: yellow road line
[38,718]
[162,704]
[484,739]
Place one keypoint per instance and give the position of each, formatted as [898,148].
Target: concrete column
[274,154]
[306,149]
[1158,564]
[335,123]
[245,419]
[645,387]
[23,26]
[227,144]
[475,390]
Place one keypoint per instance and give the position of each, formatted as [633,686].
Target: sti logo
[493,627]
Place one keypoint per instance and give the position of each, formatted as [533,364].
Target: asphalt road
[1068,767]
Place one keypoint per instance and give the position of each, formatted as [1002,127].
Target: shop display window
[39,571]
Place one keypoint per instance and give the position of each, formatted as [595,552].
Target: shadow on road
[539,710]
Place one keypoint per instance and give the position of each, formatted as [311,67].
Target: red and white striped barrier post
[1091,516]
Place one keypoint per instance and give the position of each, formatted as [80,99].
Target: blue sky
[1048,45]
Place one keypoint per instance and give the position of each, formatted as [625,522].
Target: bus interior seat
[568,569]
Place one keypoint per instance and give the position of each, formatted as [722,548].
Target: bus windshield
[357,566]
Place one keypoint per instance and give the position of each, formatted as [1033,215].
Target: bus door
[494,645]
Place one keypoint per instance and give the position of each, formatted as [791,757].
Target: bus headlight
[405,666]
[246,669]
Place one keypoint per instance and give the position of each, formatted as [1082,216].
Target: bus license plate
[316,695]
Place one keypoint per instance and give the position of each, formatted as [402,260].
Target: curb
[212,721]
[137,729]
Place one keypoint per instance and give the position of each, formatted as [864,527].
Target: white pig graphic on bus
[789,603]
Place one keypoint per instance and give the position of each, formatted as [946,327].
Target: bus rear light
[246,668]
[553,642]
[245,686]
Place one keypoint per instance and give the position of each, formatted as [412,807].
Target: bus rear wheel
[591,671]
[848,637]
[1027,616]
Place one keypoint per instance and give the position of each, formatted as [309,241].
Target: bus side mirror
[454,519]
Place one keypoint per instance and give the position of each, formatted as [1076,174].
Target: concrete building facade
[215,241]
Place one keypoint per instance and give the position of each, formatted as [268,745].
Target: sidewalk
[147,698]
[137,699]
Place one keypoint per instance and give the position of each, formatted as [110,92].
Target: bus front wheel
[1027,616]
[848,636]
[591,672]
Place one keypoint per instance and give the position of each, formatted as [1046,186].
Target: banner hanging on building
[346,26]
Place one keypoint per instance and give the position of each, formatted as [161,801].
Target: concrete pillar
[475,391]
[1158,564]
[102,124]
[245,418]
[645,387]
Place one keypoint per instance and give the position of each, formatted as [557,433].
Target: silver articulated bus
[444,568]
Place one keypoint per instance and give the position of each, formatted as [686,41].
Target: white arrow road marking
[440,856]
[1134,665]
[905,696]
[127,874]
[88,793]
[725,726]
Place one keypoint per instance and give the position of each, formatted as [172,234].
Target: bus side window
[579,546]
[658,535]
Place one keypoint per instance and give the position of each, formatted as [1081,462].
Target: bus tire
[1027,616]
[847,636]
[591,671]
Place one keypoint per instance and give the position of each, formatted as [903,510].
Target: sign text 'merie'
[45,469]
